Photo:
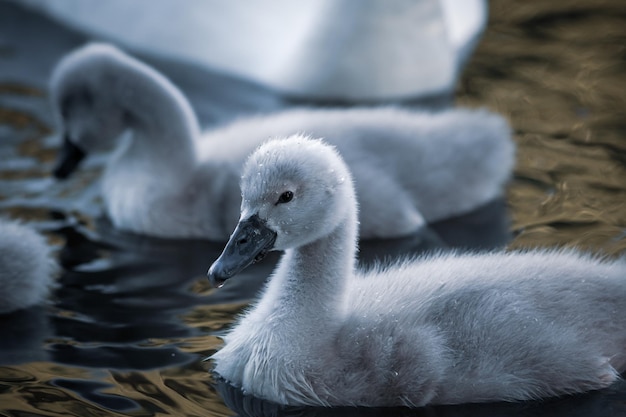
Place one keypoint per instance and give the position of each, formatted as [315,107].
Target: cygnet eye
[285,197]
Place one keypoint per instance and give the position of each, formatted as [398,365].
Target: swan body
[439,329]
[325,49]
[25,267]
[166,179]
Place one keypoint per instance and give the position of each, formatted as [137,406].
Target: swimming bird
[26,267]
[438,329]
[167,179]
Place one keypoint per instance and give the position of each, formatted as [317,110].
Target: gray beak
[249,243]
[71,155]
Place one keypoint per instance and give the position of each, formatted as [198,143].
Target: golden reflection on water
[212,317]
[555,69]
[175,391]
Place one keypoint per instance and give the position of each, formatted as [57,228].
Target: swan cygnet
[26,267]
[166,179]
[439,329]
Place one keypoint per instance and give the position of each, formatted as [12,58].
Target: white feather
[26,267]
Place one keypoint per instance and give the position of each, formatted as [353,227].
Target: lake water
[126,330]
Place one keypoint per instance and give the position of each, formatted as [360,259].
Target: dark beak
[249,243]
[70,157]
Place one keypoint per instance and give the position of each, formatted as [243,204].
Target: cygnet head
[294,191]
[86,92]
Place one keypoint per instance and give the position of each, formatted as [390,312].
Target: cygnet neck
[164,126]
[309,283]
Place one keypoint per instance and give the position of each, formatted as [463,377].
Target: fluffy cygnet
[26,267]
[440,329]
[167,180]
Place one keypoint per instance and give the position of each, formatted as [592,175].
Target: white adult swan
[447,328]
[164,181]
[26,267]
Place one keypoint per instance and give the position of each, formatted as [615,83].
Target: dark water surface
[132,318]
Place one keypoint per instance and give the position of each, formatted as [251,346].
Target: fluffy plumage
[26,267]
[165,179]
[440,329]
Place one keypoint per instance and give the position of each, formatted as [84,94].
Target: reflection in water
[609,402]
[556,70]
[23,335]
[132,317]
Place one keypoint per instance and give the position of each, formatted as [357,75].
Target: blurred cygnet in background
[26,267]
[166,179]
